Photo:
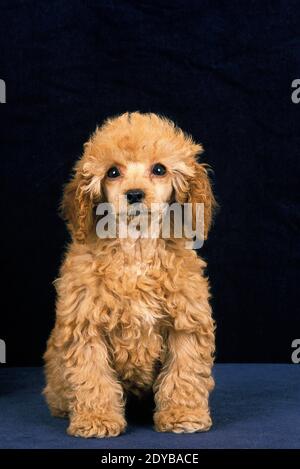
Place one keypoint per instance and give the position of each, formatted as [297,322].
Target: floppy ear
[192,185]
[80,197]
[76,207]
[200,191]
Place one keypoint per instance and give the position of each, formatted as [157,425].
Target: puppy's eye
[159,169]
[113,172]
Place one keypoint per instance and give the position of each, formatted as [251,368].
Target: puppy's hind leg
[55,391]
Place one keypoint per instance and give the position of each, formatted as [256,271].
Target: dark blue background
[223,71]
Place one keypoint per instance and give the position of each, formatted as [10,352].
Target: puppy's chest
[136,343]
[136,318]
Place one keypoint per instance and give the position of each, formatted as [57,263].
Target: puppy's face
[137,182]
[135,158]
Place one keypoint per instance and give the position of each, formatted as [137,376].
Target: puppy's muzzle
[134,196]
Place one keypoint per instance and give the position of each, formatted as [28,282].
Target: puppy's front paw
[182,420]
[89,425]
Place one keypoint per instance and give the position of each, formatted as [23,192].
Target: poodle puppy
[133,314]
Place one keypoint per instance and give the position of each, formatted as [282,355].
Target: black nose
[135,195]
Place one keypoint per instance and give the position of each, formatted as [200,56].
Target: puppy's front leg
[97,408]
[182,388]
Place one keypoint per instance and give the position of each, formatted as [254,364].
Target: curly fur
[132,316]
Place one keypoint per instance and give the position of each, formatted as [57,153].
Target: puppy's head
[135,158]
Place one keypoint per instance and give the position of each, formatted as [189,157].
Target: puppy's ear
[200,191]
[80,197]
[191,183]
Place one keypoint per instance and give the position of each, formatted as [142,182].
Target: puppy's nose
[135,195]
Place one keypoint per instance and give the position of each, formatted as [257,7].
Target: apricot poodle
[133,314]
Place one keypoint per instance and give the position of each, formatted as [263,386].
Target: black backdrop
[223,71]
